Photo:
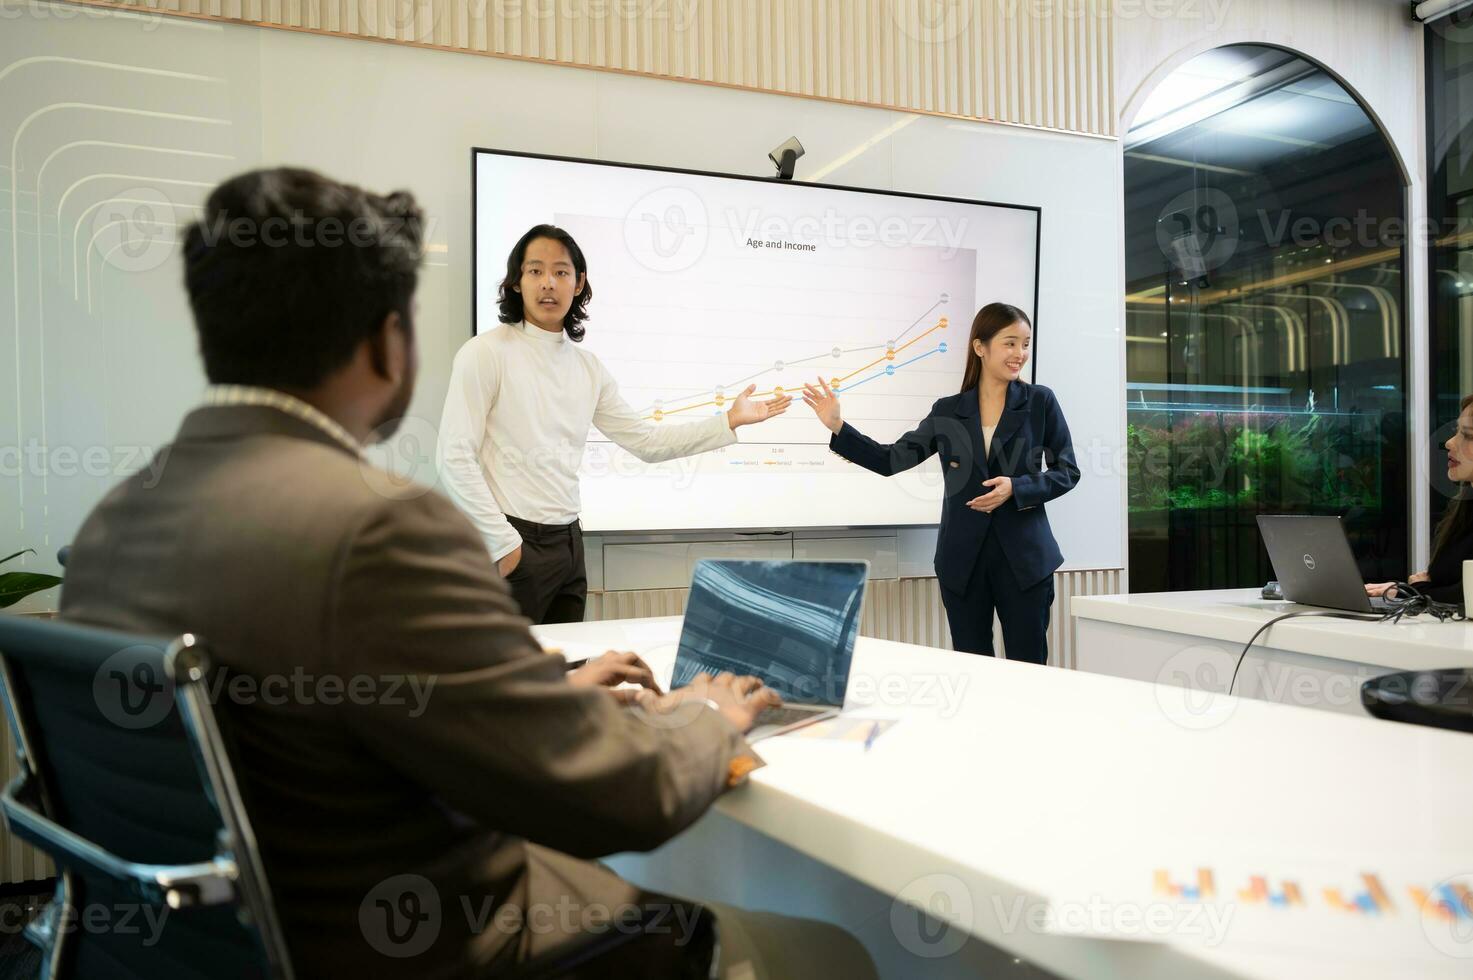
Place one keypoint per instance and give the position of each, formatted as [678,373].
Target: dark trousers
[551,582]
[1023,612]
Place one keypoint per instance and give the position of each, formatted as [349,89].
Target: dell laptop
[1313,563]
[791,623]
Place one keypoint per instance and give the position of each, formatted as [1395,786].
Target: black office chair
[126,784]
[1436,698]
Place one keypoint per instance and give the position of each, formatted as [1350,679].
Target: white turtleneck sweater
[516,419]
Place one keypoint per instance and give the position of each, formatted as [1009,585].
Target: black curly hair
[288,272]
[512,310]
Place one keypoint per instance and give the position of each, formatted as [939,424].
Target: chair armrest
[175,886]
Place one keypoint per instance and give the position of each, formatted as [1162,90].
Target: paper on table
[662,662]
[1420,909]
[574,651]
[843,729]
[644,637]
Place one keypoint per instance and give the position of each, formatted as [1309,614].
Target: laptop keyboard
[784,716]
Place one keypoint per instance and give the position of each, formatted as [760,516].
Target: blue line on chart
[889,370]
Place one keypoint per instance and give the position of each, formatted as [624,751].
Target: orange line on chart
[889,356]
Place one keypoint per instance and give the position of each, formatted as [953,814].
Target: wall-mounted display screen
[704,284]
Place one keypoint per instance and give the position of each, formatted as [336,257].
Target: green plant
[1216,459]
[15,586]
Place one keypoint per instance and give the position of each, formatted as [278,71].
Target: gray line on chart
[819,357]
[816,357]
[918,320]
[805,360]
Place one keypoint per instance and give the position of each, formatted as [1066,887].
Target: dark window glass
[1265,240]
[1450,208]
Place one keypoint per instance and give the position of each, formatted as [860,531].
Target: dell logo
[1309,562]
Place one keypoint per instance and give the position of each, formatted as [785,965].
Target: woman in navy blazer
[1005,452]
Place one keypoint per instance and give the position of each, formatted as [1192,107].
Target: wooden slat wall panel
[19,861]
[907,610]
[1043,63]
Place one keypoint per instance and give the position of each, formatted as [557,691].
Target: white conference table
[1194,639]
[1033,807]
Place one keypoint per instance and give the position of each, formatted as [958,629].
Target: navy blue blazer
[1031,445]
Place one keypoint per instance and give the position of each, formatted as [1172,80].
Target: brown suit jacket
[414,764]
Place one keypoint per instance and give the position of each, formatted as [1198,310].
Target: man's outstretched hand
[747,411]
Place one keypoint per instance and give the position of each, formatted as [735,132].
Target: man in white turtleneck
[521,400]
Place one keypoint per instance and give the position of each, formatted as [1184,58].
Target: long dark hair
[991,320]
[512,309]
[1457,522]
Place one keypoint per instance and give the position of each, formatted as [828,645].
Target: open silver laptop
[791,623]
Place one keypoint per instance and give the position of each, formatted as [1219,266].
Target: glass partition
[1450,208]
[1264,259]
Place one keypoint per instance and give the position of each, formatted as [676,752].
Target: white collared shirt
[516,420]
[226,395]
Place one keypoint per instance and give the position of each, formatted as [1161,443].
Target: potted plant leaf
[15,586]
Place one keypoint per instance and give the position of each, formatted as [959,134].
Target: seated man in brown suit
[425,782]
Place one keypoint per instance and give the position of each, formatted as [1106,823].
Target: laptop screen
[791,623]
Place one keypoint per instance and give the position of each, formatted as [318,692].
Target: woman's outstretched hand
[825,404]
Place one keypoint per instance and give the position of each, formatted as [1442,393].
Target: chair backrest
[126,783]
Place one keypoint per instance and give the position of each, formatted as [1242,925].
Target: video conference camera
[785,157]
